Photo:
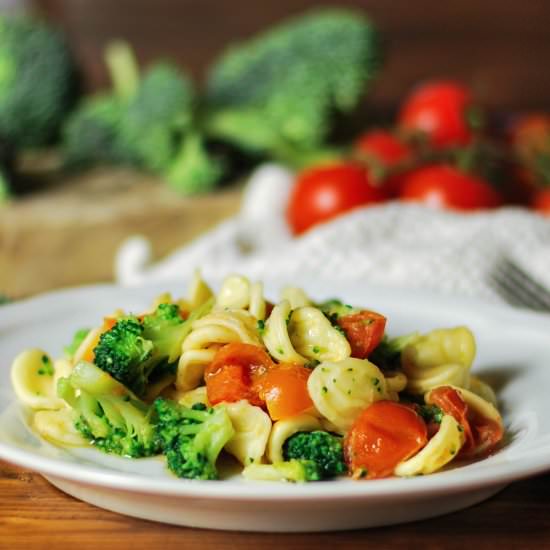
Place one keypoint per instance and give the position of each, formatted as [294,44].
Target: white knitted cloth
[392,244]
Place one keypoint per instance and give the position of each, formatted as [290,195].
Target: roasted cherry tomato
[384,153]
[235,372]
[284,390]
[364,330]
[541,201]
[443,111]
[445,186]
[323,193]
[482,434]
[385,434]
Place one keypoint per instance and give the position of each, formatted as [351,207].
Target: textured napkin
[393,244]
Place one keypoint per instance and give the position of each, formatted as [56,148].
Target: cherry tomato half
[385,434]
[364,330]
[323,193]
[440,110]
[383,152]
[445,186]
[235,372]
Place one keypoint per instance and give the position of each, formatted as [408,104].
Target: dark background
[500,47]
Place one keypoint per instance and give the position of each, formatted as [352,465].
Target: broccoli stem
[123,69]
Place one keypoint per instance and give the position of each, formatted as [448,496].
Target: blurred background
[62,227]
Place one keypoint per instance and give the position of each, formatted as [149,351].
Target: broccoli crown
[283,85]
[110,419]
[387,355]
[78,338]
[126,355]
[192,438]
[323,448]
[157,115]
[91,133]
[36,80]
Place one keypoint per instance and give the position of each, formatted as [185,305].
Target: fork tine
[518,287]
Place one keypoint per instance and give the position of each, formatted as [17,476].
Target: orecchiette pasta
[341,390]
[312,336]
[481,388]
[296,297]
[33,379]
[252,428]
[443,356]
[192,397]
[440,450]
[283,429]
[58,427]
[234,293]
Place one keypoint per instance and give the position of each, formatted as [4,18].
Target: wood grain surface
[34,514]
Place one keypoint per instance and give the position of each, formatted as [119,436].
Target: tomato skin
[325,192]
[444,186]
[364,330]
[385,434]
[382,151]
[284,390]
[541,202]
[235,372]
[482,434]
[439,110]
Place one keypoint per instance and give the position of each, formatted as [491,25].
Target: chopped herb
[250,460]
[452,451]
[460,428]
[324,389]
[47,369]
[45,360]
[313,363]
[288,317]
[323,369]
[349,392]
[316,349]
[431,413]
[350,369]
[363,472]
[280,351]
[261,327]
[376,381]
[334,380]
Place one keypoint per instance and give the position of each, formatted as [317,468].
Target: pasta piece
[283,429]
[257,305]
[252,428]
[58,427]
[397,382]
[440,450]
[296,297]
[191,367]
[189,398]
[483,390]
[276,338]
[443,356]
[234,293]
[312,336]
[90,340]
[199,292]
[34,382]
[340,391]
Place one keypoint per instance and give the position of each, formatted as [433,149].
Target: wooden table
[34,514]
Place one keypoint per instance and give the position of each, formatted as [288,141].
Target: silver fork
[518,287]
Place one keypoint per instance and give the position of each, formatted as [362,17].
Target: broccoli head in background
[323,448]
[277,92]
[107,414]
[295,470]
[192,438]
[37,81]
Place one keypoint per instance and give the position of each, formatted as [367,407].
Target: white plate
[513,354]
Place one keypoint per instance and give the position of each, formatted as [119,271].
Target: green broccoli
[78,338]
[321,447]
[37,80]
[387,355]
[192,438]
[276,93]
[289,470]
[334,309]
[109,416]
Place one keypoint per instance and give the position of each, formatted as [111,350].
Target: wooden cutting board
[68,232]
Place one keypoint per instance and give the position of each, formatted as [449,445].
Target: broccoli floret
[108,416]
[321,447]
[296,470]
[193,169]
[91,133]
[387,355]
[277,92]
[126,355]
[334,309]
[192,438]
[36,79]
[78,338]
